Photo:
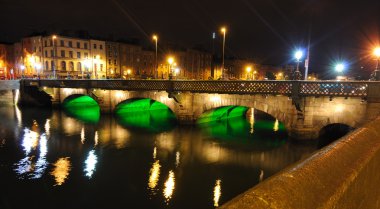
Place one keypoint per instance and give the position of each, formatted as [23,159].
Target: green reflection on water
[83,108]
[90,114]
[145,114]
[222,113]
[155,121]
[238,131]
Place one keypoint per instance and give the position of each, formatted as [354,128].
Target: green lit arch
[232,124]
[79,100]
[146,114]
[138,105]
[82,107]
[222,113]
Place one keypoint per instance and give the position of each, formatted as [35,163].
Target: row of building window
[70,44]
[70,66]
[71,54]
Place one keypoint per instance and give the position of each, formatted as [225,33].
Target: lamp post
[376,74]
[297,74]
[223,30]
[248,69]
[54,37]
[128,73]
[170,61]
[155,38]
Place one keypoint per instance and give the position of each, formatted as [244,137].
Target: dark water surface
[78,159]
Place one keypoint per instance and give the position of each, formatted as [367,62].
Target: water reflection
[150,167]
[30,140]
[29,166]
[154,177]
[47,127]
[177,158]
[90,164]
[61,170]
[89,114]
[41,163]
[96,139]
[154,121]
[169,187]
[239,131]
[82,136]
[217,192]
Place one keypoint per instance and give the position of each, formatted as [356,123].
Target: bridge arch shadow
[332,132]
[145,113]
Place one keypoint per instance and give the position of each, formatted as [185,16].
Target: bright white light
[87,63]
[38,66]
[30,140]
[298,55]
[340,67]
[90,164]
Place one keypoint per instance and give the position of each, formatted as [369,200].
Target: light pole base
[297,75]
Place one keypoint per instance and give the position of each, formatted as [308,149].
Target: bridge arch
[140,104]
[145,113]
[79,100]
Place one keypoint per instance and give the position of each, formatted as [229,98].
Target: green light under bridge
[222,113]
[82,107]
[78,100]
[147,114]
[138,105]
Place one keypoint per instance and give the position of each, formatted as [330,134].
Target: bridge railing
[300,88]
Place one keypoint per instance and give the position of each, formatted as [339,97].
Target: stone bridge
[305,107]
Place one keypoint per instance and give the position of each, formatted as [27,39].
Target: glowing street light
[170,61]
[155,38]
[248,69]
[129,71]
[298,55]
[340,67]
[223,30]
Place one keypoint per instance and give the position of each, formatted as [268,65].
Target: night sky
[265,30]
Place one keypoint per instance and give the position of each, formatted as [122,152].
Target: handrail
[305,88]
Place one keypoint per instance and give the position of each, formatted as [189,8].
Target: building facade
[113,59]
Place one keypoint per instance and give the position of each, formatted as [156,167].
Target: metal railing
[301,88]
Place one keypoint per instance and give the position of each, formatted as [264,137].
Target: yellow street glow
[376,52]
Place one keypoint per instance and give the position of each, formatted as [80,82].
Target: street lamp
[170,61]
[340,67]
[376,74]
[297,74]
[128,73]
[223,30]
[248,69]
[54,37]
[155,38]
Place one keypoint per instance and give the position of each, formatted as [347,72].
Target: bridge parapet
[306,88]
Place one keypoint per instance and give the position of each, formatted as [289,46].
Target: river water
[75,159]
